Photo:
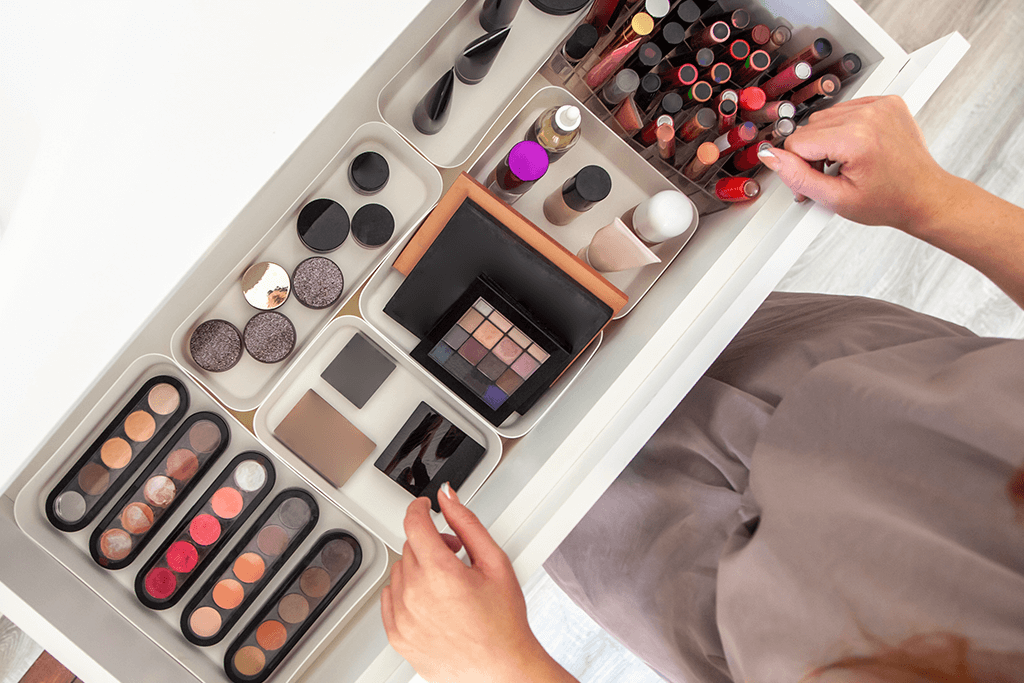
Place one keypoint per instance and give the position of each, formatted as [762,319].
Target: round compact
[317,282]
[216,345]
[372,226]
[265,285]
[369,173]
[269,337]
[323,225]
[559,7]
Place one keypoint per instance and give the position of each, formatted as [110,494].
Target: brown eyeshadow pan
[121,448]
[252,564]
[157,492]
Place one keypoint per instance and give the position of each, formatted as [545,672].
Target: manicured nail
[768,158]
[446,489]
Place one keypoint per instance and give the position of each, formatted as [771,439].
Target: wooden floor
[975,128]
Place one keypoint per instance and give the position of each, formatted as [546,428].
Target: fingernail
[446,489]
[768,158]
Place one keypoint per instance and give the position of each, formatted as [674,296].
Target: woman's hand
[455,623]
[888,177]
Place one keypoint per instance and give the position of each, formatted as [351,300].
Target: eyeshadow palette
[324,439]
[358,371]
[249,567]
[294,608]
[158,491]
[427,452]
[124,444]
[490,353]
[211,522]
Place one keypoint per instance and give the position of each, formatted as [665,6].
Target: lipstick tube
[824,88]
[747,159]
[608,65]
[758,35]
[647,56]
[737,138]
[706,157]
[786,80]
[640,26]
[666,138]
[602,12]
[753,66]
[737,20]
[777,132]
[737,51]
[701,58]
[658,9]
[752,99]
[684,76]
[687,12]
[628,115]
[650,85]
[727,94]
[699,92]
[726,116]
[817,51]
[770,112]
[780,36]
[847,67]
[715,34]
[573,50]
[621,86]
[649,135]
[670,36]
[719,73]
[701,122]
[737,189]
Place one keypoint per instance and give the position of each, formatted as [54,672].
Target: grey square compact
[359,370]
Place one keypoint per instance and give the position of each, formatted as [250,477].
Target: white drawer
[546,480]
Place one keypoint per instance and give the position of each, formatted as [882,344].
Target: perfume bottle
[557,130]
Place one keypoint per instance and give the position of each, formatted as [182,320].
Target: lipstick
[666,135]
[647,56]
[649,135]
[737,189]
[476,59]
[602,12]
[715,34]
[628,115]
[726,115]
[496,14]
[780,36]
[609,64]
[621,86]
[770,112]
[737,19]
[786,80]
[752,99]
[706,156]
[656,8]
[728,94]
[718,73]
[685,75]
[753,66]
[670,105]
[777,132]
[737,138]
[650,86]
[818,90]
[738,50]
[701,122]
[758,35]
[431,112]
[670,36]
[747,159]
[848,66]
[639,26]
[699,92]
[688,12]
[817,51]
[702,58]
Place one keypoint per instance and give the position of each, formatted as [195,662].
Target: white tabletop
[130,135]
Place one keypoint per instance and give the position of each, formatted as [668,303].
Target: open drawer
[547,479]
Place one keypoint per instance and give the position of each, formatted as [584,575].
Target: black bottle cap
[670,36]
[586,188]
[650,86]
[323,225]
[368,173]
[727,107]
[688,12]
[431,112]
[582,41]
[559,7]
[671,103]
[372,226]
[476,59]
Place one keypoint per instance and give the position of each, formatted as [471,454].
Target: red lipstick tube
[737,189]
[747,159]
[701,122]
[740,136]
[713,35]
[788,79]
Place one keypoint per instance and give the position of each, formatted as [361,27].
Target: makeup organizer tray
[369,495]
[474,108]
[633,181]
[412,189]
[117,587]
[383,284]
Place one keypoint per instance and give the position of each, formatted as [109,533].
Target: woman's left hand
[458,623]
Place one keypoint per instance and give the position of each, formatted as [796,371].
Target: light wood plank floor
[975,128]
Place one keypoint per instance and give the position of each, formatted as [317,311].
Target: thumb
[480,547]
[802,178]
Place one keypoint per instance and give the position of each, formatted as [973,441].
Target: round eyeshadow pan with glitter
[137,518]
[115,544]
[250,475]
[160,583]
[164,399]
[182,556]
[317,282]
[216,345]
[368,173]
[323,225]
[182,465]
[266,285]
[372,226]
[269,337]
[159,491]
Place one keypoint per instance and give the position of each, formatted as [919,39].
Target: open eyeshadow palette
[219,549]
[349,447]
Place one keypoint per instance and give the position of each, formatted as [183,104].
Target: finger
[423,537]
[397,582]
[387,615]
[819,142]
[409,555]
[480,547]
[801,178]
[453,542]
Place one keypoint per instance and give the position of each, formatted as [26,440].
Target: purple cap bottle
[525,164]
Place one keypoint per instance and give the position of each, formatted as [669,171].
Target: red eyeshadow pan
[201,533]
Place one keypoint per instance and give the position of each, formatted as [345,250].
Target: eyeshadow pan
[266,285]
[337,556]
[427,451]
[164,399]
[324,439]
[215,345]
[116,543]
[269,337]
[482,306]
[250,475]
[492,366]
[494,397]
[317,282]
[165,482]
[500,321]
[507,350]
[70,506]
[253,562]
[456,337]
[525,366]
[470,320]
[519,337]
[199,536]
[93,479]
[284,619]
[473,351]
[358,370]
[205,621]
[540,354]
[115,453]
[487,334]
[509,381]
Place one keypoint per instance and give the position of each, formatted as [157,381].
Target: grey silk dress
[837,479]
